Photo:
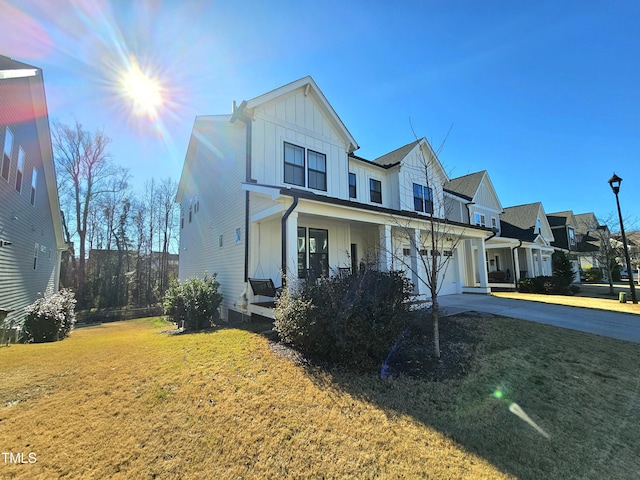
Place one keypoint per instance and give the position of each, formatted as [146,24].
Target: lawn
[122,400]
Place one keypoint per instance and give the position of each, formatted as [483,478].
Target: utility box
[622,297]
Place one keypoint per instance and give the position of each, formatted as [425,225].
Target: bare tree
[430,250]
[83,168]
[167,220]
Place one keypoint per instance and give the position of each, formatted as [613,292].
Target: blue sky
[544,95]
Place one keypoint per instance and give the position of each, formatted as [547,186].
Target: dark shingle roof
[559,219]
[520,221]
[465,186]
[392,158]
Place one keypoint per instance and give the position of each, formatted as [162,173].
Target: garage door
[449,280]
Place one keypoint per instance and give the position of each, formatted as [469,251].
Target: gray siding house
[31,239]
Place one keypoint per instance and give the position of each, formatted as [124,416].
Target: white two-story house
[275,187]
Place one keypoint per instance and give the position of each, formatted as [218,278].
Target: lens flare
[143,89]
[518,411]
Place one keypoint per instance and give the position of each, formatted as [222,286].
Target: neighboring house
[592,238]
[529,225]
[481,206]
[564,228]
[31,239]
[276,187]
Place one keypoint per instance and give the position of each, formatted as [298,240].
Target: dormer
[472,199]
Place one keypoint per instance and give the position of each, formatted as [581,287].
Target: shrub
[562,268]
[543,285]
[50,318]
[193,305]
[574,289]
[347,320]
[594,275]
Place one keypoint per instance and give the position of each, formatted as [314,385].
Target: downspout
[284,236]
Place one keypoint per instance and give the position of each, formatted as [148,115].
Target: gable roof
[520,221]
[310,86]
[560,219]
[465,186]
[396,156]
[584,222]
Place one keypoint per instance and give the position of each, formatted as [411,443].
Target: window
[220,241]
[20,170]
[313,251]
[418,200]
[317,170]
[352,185]
[572,237]
[6,157]
[319,251]
[34,183]
[422,198]
[293,164]
[238,235]
[479,219]
[302,252]
[428,199]
[375,190]
[190,209]
[35,256]
[494,222]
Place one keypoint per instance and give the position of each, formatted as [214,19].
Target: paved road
[622,326]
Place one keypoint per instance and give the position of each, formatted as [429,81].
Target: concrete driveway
[622,326]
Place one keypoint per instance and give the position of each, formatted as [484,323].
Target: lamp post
[615,181]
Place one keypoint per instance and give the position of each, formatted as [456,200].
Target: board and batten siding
[208,243]
[365,172]
[28,228]
[296,118]
[413,171]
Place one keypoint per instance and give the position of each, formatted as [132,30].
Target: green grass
[120,400]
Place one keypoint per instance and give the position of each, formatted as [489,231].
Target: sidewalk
[621,326]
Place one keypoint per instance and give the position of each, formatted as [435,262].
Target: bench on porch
[264,287]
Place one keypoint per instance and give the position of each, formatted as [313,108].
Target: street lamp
[615,181]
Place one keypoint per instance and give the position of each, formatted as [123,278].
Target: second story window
[375,190]
[352,185]
[479,219]
[317,170]
[6,156]
[422,198]
[572,237]
[293,164]
[494,222]
[300,164]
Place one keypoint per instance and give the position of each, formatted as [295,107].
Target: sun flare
[144,90]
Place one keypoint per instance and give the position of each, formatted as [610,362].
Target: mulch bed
[414,356]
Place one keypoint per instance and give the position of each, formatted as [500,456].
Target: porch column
[386,251]
[531,272]
[540,265]
[292,245]
[414,246]
[482,264]
[470,269]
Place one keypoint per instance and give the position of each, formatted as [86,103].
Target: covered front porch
[310,239]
